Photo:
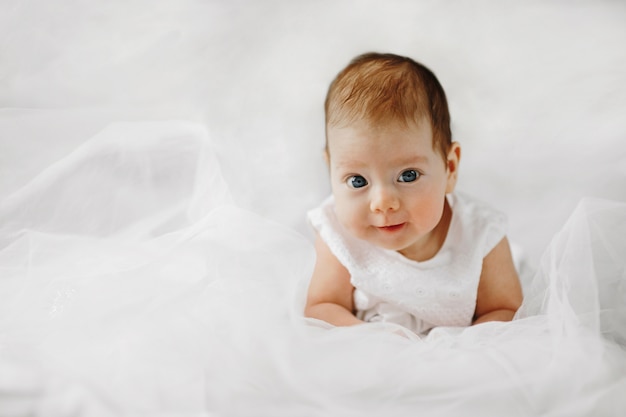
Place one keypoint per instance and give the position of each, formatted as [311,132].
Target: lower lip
[392,229]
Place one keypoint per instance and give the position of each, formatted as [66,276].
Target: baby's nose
[384,199]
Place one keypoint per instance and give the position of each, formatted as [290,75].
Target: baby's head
[387,133]
[384,89]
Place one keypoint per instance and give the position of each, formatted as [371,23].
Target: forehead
[362,138]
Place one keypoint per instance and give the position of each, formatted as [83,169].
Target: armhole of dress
[325,228]
[496,231]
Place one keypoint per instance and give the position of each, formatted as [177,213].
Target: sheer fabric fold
[131,284]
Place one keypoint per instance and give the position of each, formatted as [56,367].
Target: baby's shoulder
[476,221]
[474,210]
[323,216]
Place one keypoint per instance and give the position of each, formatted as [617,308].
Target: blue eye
[409,175]
[357,181]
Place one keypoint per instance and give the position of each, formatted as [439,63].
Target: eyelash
[362,182]
[350,182]
[415,172]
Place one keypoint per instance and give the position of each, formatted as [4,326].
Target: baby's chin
[375,238]
[389,246]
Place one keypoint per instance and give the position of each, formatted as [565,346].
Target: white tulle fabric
[440,291]
[131,285]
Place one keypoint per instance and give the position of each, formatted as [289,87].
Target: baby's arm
[499,289]
[330,291]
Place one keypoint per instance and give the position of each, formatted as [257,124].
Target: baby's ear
[326,156]
[452,164]
[454,157]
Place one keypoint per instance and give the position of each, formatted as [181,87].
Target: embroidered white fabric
[440,291]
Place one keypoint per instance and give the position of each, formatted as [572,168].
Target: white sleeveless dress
[418,295]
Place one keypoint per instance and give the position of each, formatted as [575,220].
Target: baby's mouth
[392,228]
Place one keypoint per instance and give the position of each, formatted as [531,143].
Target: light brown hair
[385,88]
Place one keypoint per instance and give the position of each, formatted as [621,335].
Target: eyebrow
[413,159]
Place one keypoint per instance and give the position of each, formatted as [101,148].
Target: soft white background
[537,90]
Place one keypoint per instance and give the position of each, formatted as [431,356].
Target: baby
[394,242]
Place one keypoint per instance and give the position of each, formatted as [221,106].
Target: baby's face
[389,185]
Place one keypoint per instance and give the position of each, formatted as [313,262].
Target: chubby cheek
[427,213]
[351,215]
